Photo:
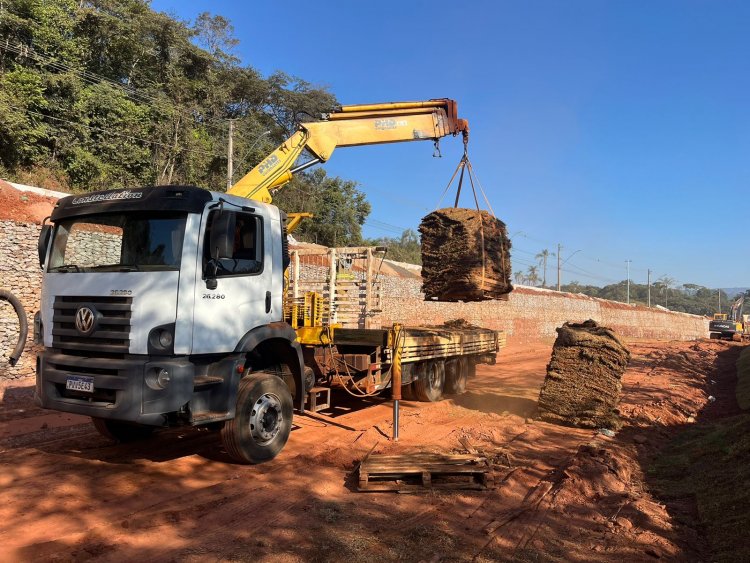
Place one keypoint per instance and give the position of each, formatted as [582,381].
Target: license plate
[80,383]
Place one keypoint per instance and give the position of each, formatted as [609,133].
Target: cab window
[241,244]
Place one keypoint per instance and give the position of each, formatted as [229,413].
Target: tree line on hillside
[101,94]
[687,298]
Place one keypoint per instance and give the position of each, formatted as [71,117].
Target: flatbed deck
[424,343]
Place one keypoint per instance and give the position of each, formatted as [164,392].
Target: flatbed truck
[175,305]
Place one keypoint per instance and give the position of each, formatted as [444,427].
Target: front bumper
[121,391]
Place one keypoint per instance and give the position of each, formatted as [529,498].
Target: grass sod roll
[465,256]
[584,377]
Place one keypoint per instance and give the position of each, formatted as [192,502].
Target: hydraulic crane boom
[367,124]
[736,311]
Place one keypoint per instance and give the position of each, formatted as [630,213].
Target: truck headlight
[161,340]
[165,338]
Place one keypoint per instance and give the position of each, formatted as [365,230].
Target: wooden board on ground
[423,471]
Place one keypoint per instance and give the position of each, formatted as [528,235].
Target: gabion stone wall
[534,314]
[20,273]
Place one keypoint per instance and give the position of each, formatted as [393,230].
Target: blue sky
[618,129]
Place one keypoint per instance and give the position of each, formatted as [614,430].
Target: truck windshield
[118,242]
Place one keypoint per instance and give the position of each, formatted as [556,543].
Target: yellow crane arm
[367,124]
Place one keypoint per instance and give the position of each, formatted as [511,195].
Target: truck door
[242,268]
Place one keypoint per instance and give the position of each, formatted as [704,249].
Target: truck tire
[122,432]
[407,393]
[472,366]
[428,386]
[263,421]
[456,375]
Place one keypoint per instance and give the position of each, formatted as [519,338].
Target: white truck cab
[156,301]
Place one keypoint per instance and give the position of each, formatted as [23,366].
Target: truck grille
[111,333]
[110,377]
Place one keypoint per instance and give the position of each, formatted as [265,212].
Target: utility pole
[559,248]
[230,151]
[627,263]
[719,291]
[649,288]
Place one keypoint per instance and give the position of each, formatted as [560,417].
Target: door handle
[268,301]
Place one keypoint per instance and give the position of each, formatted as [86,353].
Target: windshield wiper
[65,268]
[115,268]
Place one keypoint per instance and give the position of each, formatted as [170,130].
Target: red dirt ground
[560,494]
[21,206]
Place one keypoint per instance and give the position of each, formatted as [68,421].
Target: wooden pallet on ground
[423,471]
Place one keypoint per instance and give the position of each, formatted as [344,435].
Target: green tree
[689,298]
[111,93]
[542,258]
[532,275]
[110,146]
[405,248]
[22,128]
[216,35]
[665,283]
[339,209]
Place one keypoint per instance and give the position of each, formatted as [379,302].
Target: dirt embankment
[24,207]
[561,494]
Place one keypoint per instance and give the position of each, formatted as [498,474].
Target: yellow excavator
[732,326]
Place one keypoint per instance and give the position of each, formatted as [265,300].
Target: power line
[375,224]
[591,274]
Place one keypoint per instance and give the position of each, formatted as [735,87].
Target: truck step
[207,416]
[318,399]
[203,381]
[423,471]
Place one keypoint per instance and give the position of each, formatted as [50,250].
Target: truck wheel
[407,391]
[472,366]
[456,375]
[122,431]
[263,421]
[407,394]
[428,386]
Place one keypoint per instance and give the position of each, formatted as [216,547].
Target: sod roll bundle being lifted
[583,382]
[465,256]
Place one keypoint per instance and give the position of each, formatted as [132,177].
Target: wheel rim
[266,418]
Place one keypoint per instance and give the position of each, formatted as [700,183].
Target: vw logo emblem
[85,320]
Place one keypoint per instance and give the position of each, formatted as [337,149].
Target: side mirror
[221,235]
[43,244]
